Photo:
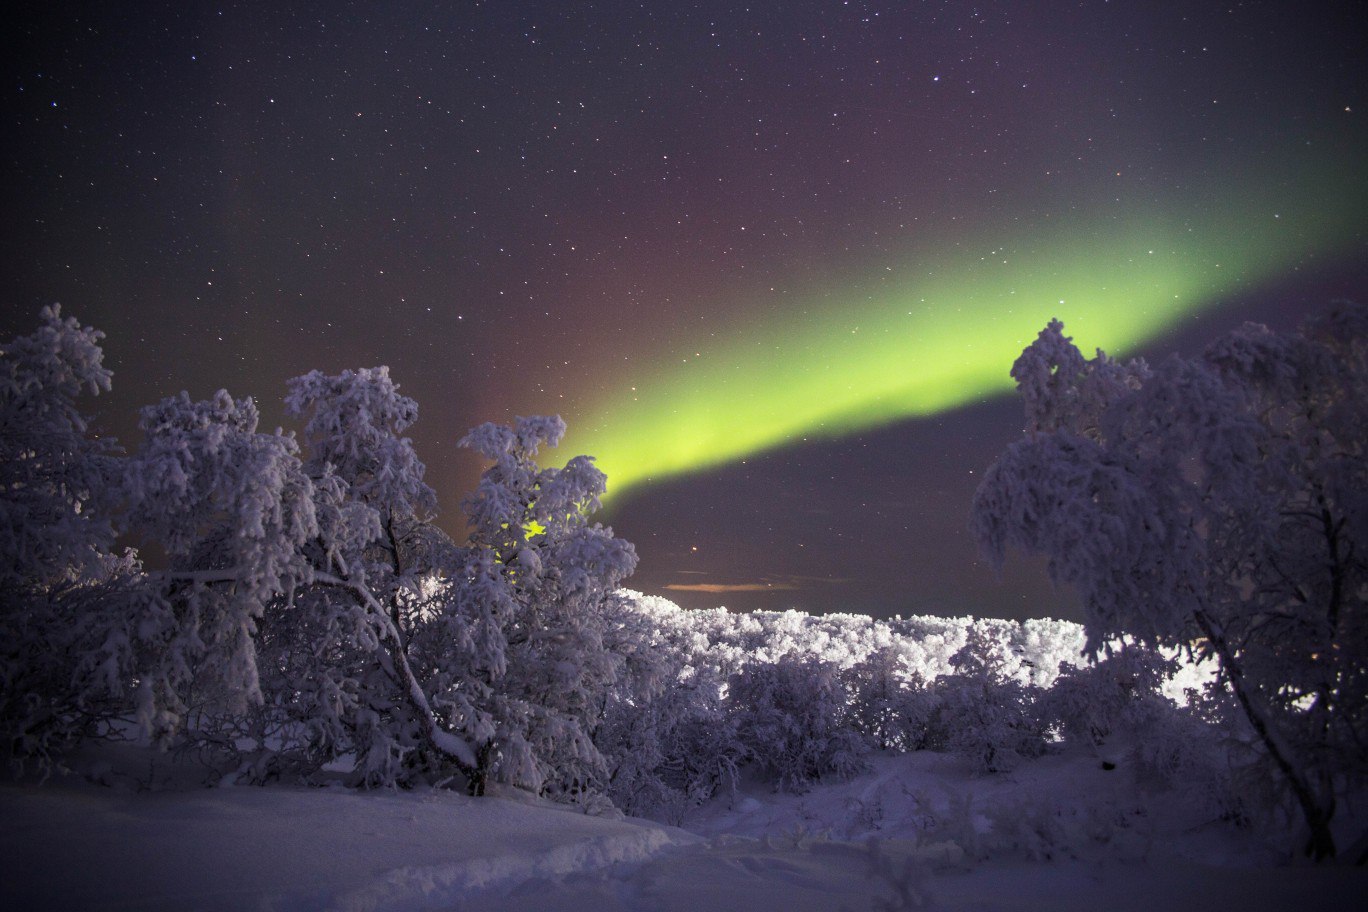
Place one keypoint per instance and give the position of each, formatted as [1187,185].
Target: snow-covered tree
[539,586]
[233,510]
[1122,691]
[56,482]
[308,609]
[377,560]
[352,433]
[283,613]
[54,521]
[666,735]
[879,688]
[1217,501]
[380,598]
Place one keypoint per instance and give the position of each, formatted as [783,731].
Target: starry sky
[771,261]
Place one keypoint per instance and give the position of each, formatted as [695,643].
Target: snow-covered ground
[916,831]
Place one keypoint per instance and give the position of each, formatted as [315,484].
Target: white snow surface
[1091,840]
[294,849]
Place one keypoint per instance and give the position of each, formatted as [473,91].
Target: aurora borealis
[868,355]
[771,261]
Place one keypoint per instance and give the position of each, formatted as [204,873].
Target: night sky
[772,262]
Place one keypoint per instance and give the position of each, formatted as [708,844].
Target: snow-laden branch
[446,742]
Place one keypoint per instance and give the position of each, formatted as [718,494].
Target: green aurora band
[945,332]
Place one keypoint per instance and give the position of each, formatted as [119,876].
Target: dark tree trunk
[1320,845]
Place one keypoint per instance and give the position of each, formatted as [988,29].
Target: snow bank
[291,849]
[77,847]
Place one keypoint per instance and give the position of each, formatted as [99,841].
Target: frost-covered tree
[233,510]
[308,609]
[880,704]
[353,429]
[1219,501]
[54,521]
[538,588]
[672,751]
[377,558]
[1122,691]
[285,608]
[56,481]
[422,660]
[983,710]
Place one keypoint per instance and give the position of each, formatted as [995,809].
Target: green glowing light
[944,329]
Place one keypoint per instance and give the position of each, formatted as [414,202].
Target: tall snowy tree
[352,433]
[541,582]
[308,607]
[54,521]
[342,649]
[282,621]
[1219,502]
[233,511]
[56,482]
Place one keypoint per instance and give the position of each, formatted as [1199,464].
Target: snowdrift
[282,848]
[917,831]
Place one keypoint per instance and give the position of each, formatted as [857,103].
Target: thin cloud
[728,587]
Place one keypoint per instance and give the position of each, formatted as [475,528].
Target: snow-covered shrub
[791,717]
[1033,830]
[881,702]
[665,733]
[987,652]
[993,723]
[983,713]
[671,752]
[1122,691]
[1180,750]
[1041,828]
[65,660]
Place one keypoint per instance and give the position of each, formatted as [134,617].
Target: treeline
[800,699]
[310,616]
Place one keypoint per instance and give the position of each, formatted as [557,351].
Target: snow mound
[290,850]
[909,834]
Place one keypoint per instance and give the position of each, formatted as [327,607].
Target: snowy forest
[280,607]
